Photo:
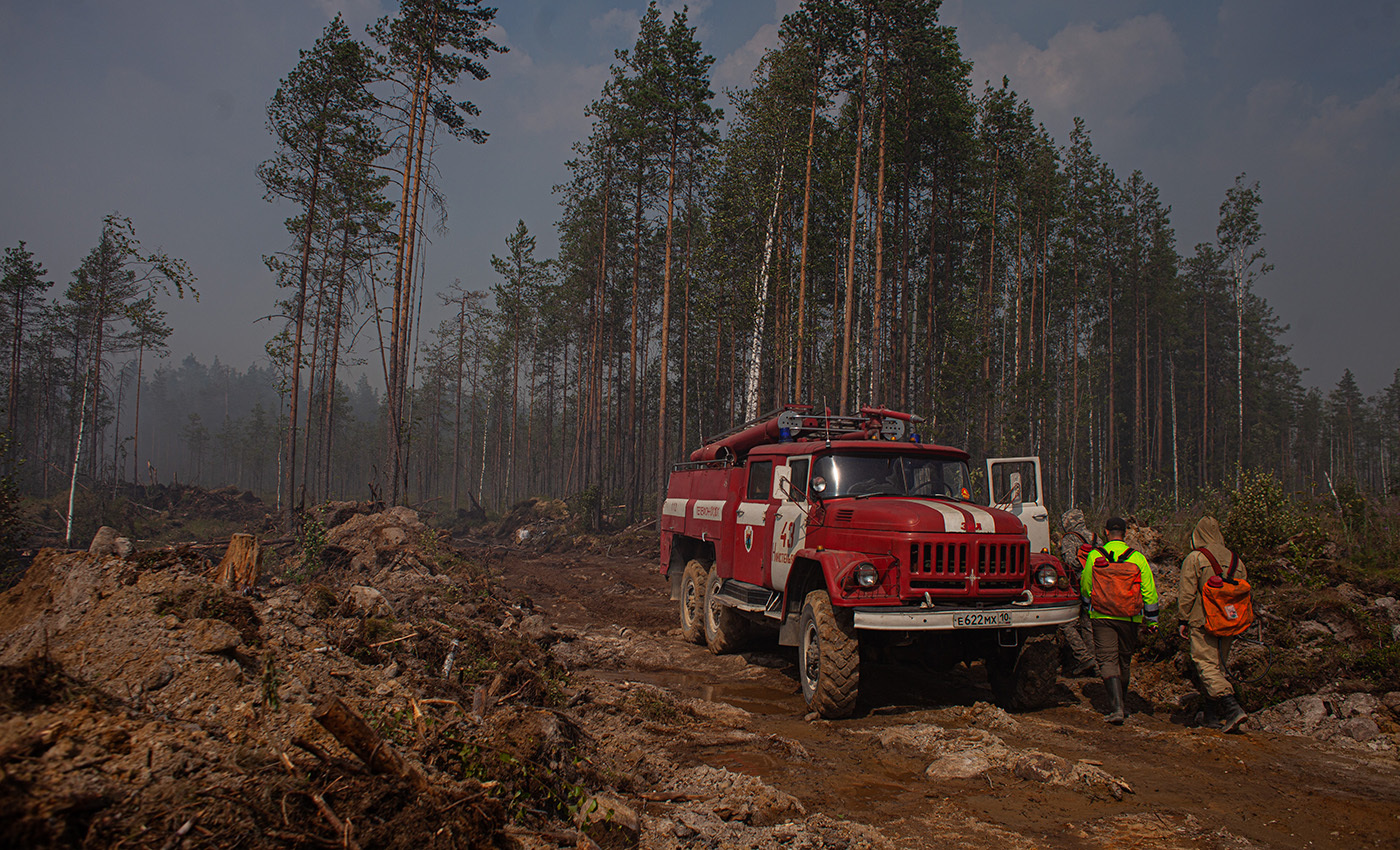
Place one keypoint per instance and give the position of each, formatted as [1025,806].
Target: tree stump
[239,568]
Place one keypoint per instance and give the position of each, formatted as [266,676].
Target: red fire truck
[851,539]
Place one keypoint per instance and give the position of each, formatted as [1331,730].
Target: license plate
[981,619]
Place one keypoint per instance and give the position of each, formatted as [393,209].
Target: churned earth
[927,761]
[530,688]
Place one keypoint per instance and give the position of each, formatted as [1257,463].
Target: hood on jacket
[1207,534]
[1073,520]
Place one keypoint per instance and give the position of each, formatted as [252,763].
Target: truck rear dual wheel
[828,657]
[725,628]
[693,602]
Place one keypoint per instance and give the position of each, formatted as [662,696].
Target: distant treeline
[870,228]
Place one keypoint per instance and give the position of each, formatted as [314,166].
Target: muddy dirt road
[927,762]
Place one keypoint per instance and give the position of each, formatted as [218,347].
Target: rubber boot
[1209,718]
[1115,700]
[1127,677]
[1231,714]
[1084,668]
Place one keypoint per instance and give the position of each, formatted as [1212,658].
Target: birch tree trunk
[756,342]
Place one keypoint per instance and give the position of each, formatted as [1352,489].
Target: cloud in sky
[1099,73]
[1342,132]
[736,70]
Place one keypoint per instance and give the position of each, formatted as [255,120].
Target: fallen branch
[313,749]
[351,730]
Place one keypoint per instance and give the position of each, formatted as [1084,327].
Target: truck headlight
[866,576]
[1046,576]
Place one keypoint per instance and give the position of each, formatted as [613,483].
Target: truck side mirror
[792,491]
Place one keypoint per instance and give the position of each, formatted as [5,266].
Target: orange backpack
[1085,548]
[1227,602]
[1115,588]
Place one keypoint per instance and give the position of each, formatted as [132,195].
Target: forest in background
[861,225]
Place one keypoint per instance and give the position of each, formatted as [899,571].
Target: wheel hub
[811,656]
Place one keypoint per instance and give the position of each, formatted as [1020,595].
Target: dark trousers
[1114,642]
[1079,637]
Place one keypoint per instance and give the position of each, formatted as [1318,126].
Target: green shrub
[1262,517]
[311,541]
[1380,666]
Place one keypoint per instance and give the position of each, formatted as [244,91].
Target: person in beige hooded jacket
[1209,653]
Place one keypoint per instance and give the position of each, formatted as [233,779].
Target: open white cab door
[1014,484]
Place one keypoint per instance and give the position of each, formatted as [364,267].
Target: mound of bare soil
[143,705]
[396,697]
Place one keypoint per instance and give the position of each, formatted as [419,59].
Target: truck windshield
[838,475]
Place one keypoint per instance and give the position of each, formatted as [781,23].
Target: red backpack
[1228,605]
[1085,548]
[1115,587]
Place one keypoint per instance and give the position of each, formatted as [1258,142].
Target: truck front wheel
[828,657]
[1025,680]
[725,628]
[693,602]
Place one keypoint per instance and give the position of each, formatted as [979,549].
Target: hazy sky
[155,108]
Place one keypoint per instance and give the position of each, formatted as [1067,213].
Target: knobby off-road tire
[828,657]
[693,602]
[725,628]
[1025,680]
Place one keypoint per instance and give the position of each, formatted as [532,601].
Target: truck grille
[947,565]
[1002,559]
[938,559]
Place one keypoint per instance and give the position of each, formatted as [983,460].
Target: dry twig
[392,640]
[347,839]
[179,837]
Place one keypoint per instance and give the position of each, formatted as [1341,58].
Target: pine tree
[21,284]
[428,47]
[321,116]
[521,276]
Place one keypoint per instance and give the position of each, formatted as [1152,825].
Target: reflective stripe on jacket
[1116,548]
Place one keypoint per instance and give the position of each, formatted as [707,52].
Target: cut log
[239,568]
[351,730]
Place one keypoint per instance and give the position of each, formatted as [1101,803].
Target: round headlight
[1046,576]
[866,576]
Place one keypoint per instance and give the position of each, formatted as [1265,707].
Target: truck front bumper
[917,618]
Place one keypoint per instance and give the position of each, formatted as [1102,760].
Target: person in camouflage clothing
[1078,635]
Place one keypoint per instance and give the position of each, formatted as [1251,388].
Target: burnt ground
[926,762]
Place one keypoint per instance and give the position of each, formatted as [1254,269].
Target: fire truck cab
[850,538]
